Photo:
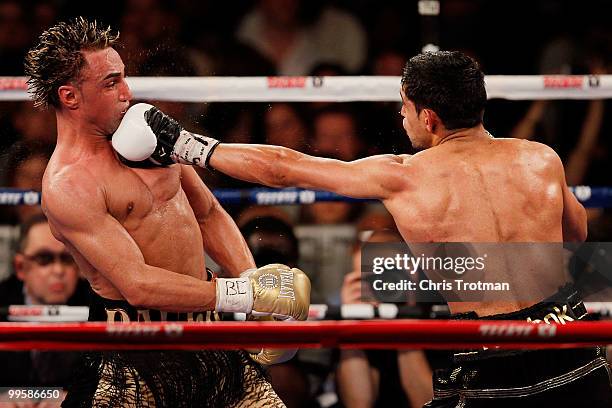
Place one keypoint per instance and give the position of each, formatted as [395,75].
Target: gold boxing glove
[267,356]
[275,290]
[293,284]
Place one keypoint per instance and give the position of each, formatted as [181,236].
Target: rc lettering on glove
[146,133]
[276,290]
[272,292]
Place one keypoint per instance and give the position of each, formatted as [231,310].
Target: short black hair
[288,254]
[24,229]
[448,82]
[20,152]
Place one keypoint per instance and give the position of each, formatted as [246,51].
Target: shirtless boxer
[465,186]
[139,234]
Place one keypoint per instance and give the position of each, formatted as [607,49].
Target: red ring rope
[344,334]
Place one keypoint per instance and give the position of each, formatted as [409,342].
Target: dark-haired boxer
[465,186]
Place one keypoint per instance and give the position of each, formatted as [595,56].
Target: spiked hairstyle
[57,59]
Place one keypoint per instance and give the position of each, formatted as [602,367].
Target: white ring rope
[333,88]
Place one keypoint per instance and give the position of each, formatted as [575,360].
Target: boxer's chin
[113,128]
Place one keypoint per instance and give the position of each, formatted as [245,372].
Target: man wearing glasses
[45,274]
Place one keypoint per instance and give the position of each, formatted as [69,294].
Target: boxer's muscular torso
[493,190]
[149,203]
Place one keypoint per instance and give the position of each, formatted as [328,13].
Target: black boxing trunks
[206,378]
[490,377]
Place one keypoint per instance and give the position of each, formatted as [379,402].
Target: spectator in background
[297,35]
[328,69]
[587,161]
[14,37]
[389,62]
[325,69]
[327,229]
[45,274]
[380,378]
[156,64]
[383,125]
[43,14]
[271,240]
[145,25]
[34,125]
[231,123]
[392,23]
[559,123]
[335,135]
[284,125]
[24,166]
[153,27]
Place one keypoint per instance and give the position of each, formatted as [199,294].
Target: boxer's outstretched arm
[222,238]
[372,177]
[146,133]
[78,216]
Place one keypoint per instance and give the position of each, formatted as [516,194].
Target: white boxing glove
[148,133]
[134,139]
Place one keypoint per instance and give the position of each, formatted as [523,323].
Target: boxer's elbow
[143,296]
[575,235]
[579,234]
[582,232]
[134,288]
[135,299]
[575,226]
[135,295]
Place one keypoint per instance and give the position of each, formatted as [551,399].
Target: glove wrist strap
[234,295]
[191,148]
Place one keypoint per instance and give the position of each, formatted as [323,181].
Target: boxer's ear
[19,266]
[68,96]
[431,120]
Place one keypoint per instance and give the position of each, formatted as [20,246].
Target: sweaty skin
[136,234]
[465,187]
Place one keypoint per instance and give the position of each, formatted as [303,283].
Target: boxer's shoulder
[541,157]
[524,146]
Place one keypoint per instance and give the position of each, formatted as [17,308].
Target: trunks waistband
[563,307]
[504,381]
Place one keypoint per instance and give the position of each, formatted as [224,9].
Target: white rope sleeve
[334,88]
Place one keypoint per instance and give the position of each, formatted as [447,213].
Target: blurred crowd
[293,37]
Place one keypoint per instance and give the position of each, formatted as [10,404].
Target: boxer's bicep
[574,222]
[221,237]
[199,196]
[574,217]
[78,215]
